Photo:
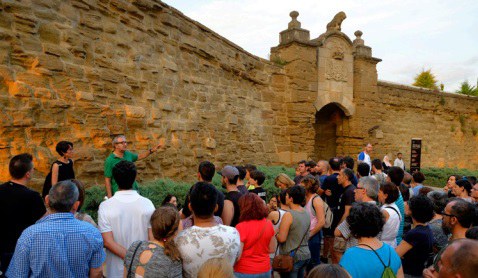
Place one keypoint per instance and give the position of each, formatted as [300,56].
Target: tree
[467,89]
[426,79]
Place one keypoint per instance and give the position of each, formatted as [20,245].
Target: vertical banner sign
[416,154]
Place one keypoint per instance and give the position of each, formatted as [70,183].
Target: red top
[255,254]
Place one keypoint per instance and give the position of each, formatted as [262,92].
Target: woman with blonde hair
[216,268]
[283,181]
[160,256]
[386,163]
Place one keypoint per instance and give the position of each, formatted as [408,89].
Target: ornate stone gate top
[335,58]
[335,67]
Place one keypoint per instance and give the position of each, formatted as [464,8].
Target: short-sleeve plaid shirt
[58,245]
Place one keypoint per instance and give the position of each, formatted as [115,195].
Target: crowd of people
[331,220]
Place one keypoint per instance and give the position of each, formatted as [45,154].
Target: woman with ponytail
[160,256]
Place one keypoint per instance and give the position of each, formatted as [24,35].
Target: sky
[441,35]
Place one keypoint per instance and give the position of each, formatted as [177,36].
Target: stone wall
[385,114]
[86,70]
[447,124]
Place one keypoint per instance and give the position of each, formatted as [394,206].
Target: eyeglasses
[446,214]
[124,143]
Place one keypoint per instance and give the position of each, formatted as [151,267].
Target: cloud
[472,61]
[407,34]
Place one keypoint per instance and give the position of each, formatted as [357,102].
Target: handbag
[285,263]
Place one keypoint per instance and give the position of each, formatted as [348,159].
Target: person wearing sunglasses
[457,219]
[120,152]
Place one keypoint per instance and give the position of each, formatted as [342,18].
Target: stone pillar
[364,125]
[365,66]
[297,55]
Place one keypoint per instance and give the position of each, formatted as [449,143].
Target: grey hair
[439,200]
[370,185]
[63,195]
[326,164]
[115,140]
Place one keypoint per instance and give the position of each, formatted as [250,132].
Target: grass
[158,189]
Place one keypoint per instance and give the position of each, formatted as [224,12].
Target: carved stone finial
[335,24]
[294,23]
[294,33]
[358,40]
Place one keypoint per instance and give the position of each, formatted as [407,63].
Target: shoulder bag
[285,263]
[132,259]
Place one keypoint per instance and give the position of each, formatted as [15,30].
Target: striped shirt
[401,206]
[58,245]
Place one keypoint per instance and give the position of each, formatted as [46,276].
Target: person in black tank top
[234,196]
[231,212]
[62,169]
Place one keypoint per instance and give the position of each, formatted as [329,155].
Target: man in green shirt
[120,152]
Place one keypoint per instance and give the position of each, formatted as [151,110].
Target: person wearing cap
[231,212]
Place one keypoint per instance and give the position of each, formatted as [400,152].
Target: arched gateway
[328,129]
[331,70]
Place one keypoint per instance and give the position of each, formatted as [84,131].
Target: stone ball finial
[294,23]
[358,40]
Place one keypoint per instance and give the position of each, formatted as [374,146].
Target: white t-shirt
[127,215]
[390,229]
[363,156]
[399,163]
[276,230]
[197,245]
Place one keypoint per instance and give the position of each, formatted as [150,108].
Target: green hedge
[157,190]
[437,177]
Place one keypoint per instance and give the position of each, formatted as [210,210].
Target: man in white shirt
[364,156]
[123,219]
[399,162]
[206,239]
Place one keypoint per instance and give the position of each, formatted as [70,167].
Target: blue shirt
[416,189]
[58,245]
[362,262]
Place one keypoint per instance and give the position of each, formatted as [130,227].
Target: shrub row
[437,177]
[157,190]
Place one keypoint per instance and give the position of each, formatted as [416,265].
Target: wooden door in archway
[326,122]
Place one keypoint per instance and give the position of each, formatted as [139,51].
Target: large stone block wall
[446,123]
[87,70]
[385,114]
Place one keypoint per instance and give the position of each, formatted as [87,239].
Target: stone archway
[327,120]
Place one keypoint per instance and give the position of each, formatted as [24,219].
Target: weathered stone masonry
[88,70]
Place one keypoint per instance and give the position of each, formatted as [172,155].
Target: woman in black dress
[61,169]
